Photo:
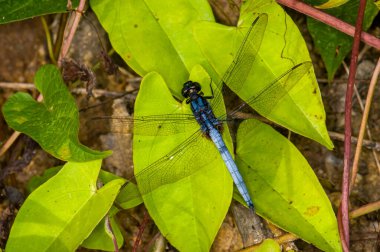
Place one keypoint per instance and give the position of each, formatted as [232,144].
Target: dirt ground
[23,50]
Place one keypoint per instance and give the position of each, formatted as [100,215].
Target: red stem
[330,20]
[141,231]
[340,227]
[69,38]
[347,131]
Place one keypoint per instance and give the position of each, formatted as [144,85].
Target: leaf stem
[330,20]
[344,207]
[69,38]
[141,231]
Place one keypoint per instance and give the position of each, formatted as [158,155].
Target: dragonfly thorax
[191,91]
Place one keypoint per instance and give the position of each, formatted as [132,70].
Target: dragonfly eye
[190,87]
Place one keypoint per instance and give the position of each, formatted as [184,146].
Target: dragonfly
[178,163]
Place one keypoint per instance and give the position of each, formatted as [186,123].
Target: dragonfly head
[190,88]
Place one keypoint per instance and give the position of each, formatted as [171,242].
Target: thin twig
[344,207]
[69,38]
[17,85]
[96,92]
[366,209]
[330,20]
[14,135]
[364,125]
[9,142]
[359,145]
[366,143]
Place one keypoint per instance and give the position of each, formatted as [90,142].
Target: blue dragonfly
[178,163]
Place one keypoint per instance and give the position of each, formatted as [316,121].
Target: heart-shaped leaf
[100,238]
[155,35]
[284,188]
[281,49]
[61,213]
[54,124]
[192,188]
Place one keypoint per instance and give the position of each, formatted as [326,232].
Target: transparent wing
[238,71]
[271,94]
[154,125]
[187,158]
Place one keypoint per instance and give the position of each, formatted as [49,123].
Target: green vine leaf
[282,48]
[54,124]
[334,45]
[128,197]
[156,35]
[285,189]
[191,197]
[11,10]
[101,238]
[68,198]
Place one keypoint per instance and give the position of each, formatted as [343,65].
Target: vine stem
[69,38]
[141,231]
[343,216]
[330,20]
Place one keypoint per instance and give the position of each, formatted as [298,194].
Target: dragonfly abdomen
[231,166]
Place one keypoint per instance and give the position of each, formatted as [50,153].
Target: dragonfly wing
[184,160]
[239,69]
[266,99]
[154,125]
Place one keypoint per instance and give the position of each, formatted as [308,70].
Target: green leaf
[285,189]
[334,45]
[36,181]
[61,213]
[169,41]
[54,124]
[155,35]
[269,245]
[101,238]
[129,195]
[283,47]
[13,10]
[189,199]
